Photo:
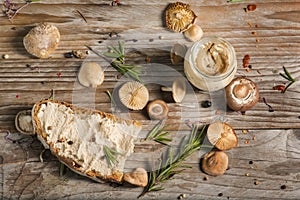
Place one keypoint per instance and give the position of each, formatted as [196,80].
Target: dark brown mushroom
[157,109]
[215,163]
[241,94]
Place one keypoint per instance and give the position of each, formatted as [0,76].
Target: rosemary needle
[111,155]
[159,134]
[174,164]
[288,77]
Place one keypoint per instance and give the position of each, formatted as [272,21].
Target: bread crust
[116,175]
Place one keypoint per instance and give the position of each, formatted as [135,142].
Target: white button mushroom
[177,53]
[42,40]
[241,94]
[194,33]
[23,122]
[90,74]
[134,95]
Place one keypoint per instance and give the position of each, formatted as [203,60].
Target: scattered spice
[115,3]
[18,96]
[160,37]
[249,24]
[251,7]
[5,56]
[256,182]
[80,53]
[250,162]
[254,138]
[69,55]
[233,1]
[283,187]
[147,59]
[151,40]
[182,196]
[59,74]
[257,40]
[220,194]
[246,60]
[247,141]
[247,174]
[253,33]
[244,131]
[279,87]
[269,106]
[205,178]
[31,67]
[248,70]
[81,15]
[206,104]
[288,77]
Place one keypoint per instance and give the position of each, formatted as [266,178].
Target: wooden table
[264,166]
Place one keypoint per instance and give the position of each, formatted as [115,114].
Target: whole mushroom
[215,163]
[42,40]
[180,18]
[178,89]
[222,136]
[23,122]
[157,109]
[134,95]
[90,74]
[138,177]
[241,94]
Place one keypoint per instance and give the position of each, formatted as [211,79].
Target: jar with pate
[210,63]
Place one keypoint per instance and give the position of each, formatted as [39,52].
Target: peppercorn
[69,55]
[206,104]
[283,187]
[220,194]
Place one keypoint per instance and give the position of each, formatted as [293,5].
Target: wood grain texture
[270,35]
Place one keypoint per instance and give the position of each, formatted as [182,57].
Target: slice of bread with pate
[78,138]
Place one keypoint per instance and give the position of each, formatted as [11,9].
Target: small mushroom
[222,136]
[178,89]
[134,95]
[23,122]
[90,74]
[157,109]
[215,163]
[194,33]
[179,17]
[177,53]
[42,40]
[241,94]
[138,177]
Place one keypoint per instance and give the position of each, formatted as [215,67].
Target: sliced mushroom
[157,109]
[23,122]
[90,74]
[194,33]
[215,163]
[241,94]
[179,17]
[138,177]
[134,95]
[177,53]
[178,89]
[222,136]
[42,40]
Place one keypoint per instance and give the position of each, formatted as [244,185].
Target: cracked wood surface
[270,35]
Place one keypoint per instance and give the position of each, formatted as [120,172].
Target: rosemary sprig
[118,53]
[159,134]
[174,164]
[288,77]
[11,10]
[111,155]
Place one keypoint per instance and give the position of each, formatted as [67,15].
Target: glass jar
[210,63]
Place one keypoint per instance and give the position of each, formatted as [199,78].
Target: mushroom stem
[166,89]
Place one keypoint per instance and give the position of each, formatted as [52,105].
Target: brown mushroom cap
[215,163]
[179,89]
[179,17]
[23,122]
[194,33]
[134,95]
[222,136]
[177,53]
[241,94]
[90,74]
[42,40]
[157,109]
[138,177]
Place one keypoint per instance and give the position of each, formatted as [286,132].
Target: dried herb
[11,10]
[82,16]
[111,155]
[159,134]
[174,164]
[279,87]
[251,7]
[270,107]
[288,77]
[233,1]
[118,52]
[246,61]
[110,97]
